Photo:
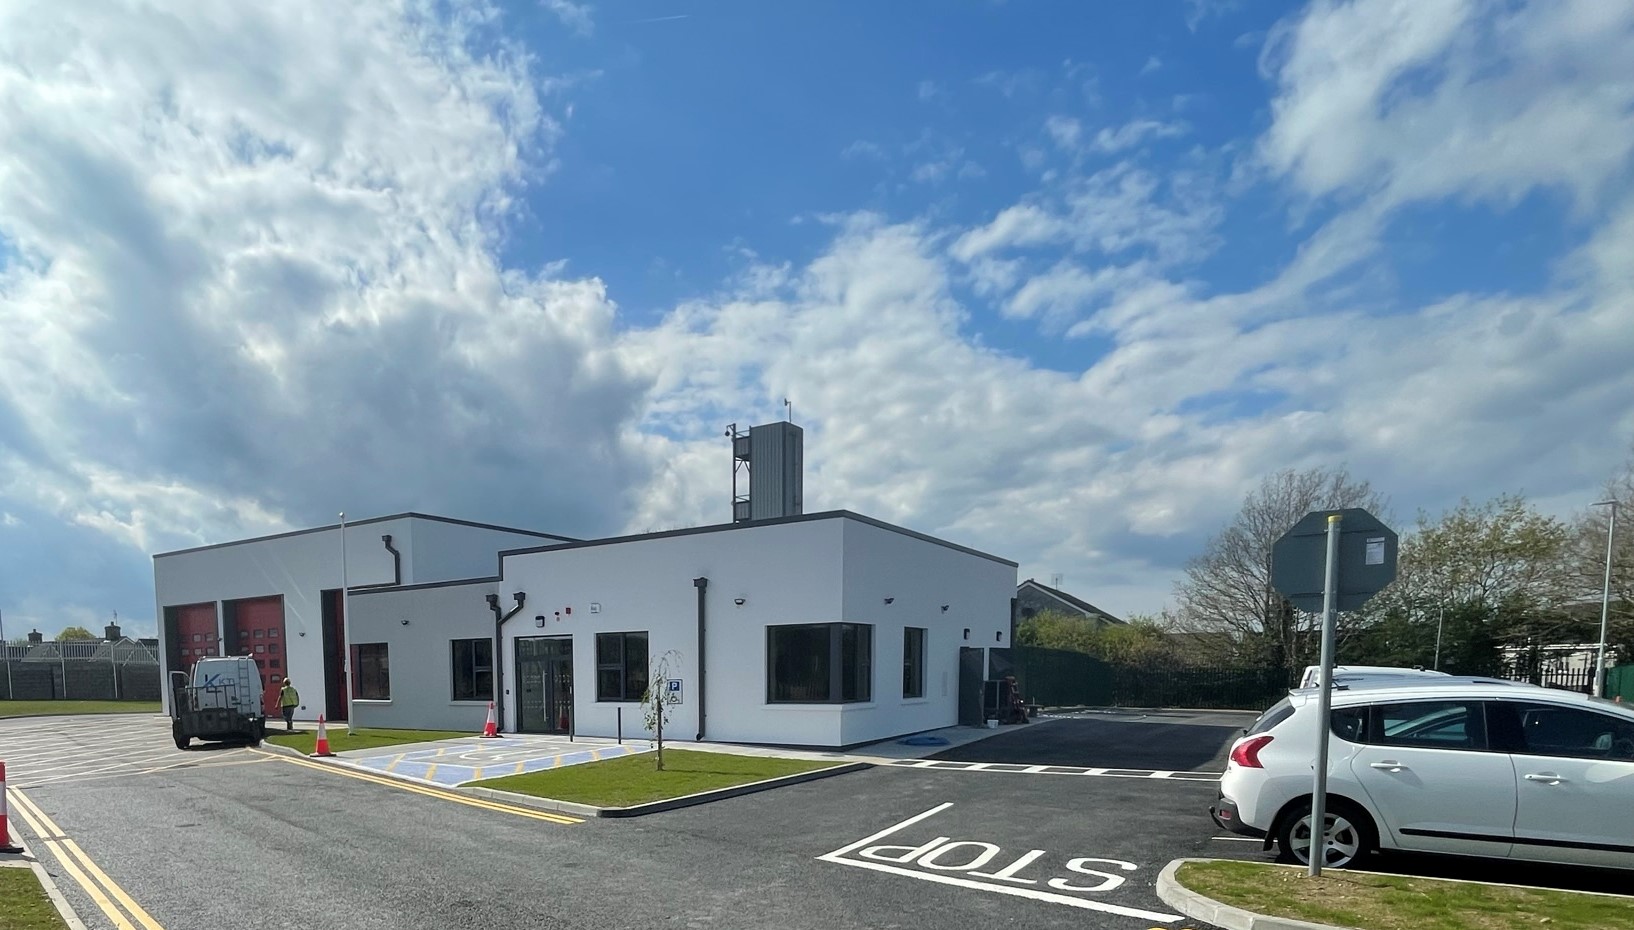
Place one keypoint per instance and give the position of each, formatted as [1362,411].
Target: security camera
[738,601]
[405,623]
[889,600]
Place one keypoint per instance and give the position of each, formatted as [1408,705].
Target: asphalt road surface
[1174,741]
[267,842]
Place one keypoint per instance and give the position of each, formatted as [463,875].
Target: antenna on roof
[1055,580]
[788,410]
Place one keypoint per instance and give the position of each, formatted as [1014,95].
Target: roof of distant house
[1076,603]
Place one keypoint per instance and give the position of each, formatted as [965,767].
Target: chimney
[36,637]
[111,633]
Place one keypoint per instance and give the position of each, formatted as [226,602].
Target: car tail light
[1247,752]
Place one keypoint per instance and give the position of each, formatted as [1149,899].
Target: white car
[1347,674]
[1459,765]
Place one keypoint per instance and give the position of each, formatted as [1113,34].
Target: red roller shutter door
[260,633]
[196,634]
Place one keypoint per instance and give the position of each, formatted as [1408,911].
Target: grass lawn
[630,780]
[1396,902]
[23,904]
[29,708]
[307,740]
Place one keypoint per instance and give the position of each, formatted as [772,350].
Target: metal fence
[122,670]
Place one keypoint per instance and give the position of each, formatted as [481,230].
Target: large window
[473,669]
[621,666]
[913,662]
[819,663]
[371,672]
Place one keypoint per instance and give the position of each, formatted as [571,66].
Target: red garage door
[258,626]
[195,635]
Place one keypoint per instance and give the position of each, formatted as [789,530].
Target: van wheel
[181,741]
[1350,834]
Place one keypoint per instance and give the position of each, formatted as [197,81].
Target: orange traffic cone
[322,749]
[6,845]
[490,730]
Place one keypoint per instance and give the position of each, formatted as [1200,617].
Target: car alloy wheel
[1343,843]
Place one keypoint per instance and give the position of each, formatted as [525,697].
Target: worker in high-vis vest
[289,699]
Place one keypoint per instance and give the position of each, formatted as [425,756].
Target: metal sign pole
[1324,704]
[346,627]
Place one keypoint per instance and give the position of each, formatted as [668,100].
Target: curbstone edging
[668,804]
[1225,916]
[27,858]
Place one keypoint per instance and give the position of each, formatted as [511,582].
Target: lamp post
[345,628]
[1440,621]
[1605,602]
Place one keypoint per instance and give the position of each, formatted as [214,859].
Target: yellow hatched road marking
[431,772]
[438,793]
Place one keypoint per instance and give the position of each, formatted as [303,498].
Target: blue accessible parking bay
[457,762]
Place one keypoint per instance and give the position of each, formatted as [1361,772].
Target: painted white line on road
[840,857]
[888,831]
[1240,839]
[1052,898]
[1162,774]
[1033,769]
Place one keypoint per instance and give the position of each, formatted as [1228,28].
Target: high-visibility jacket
[288,697]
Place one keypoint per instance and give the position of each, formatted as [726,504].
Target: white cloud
[1064,130]
[1153,63]
[928,90]
[256,244]
[1415,101]
[577,16]
[1111,140]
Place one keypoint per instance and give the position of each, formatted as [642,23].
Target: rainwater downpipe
[702,584]
[499,652]
[396,560]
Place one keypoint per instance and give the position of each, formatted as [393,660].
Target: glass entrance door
[544,673]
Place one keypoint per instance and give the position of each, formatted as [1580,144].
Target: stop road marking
[937,860]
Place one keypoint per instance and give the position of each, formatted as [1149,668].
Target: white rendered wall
[786,573]
[299,567]
[421,652]
[919,576]
[451,551]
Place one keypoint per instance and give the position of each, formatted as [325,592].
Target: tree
[1141,640]
[1226,594]
[655,701]
[1587,559]
[74,633]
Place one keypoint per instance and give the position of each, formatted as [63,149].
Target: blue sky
[1058,280]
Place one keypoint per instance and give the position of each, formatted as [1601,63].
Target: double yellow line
[125,913]
[438,793]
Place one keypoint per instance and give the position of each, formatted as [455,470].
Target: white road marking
[839,857]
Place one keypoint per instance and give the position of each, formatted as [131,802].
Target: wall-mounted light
[889,600]
[944,608]
[404,622]
[998,637]
[739,601]
[539,620]
[967,632]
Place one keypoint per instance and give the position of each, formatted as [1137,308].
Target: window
[1349,723]
[819,663]
[260,634]
[272,647]
[473,669]
[273,663]
[1429,725]
[621,666]
[1273,716]
[1547,730]
[272,632]
[913,662]
[259,647]
[371,672]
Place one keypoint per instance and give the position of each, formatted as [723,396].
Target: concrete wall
[420,652]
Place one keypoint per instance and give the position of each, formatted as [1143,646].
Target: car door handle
[1549,777]
[1389,766]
